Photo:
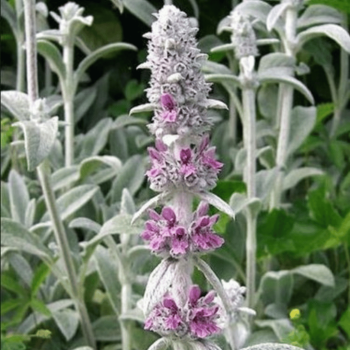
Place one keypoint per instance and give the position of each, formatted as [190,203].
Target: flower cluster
[183,164]
[71,20]
[243,36]
[175,62]
[193,169]
[168,238]
[196,319]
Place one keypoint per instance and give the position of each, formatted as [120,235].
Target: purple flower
[167,102]
[203,238]
[195,320]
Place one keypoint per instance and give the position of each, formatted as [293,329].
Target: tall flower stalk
[285,101]
[70,23]
[183,166]
[45,181]
[243,38]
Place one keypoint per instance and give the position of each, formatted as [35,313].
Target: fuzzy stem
[20,79]
[339,104]
[61,239]
[285,107]
[214,281]
[32,69]
[44,178]
[126,306]
[125,293]
[68,96]
[232,126]
[249,126]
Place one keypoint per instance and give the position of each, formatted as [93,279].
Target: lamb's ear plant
[182,168]
[40,132]
[71,21]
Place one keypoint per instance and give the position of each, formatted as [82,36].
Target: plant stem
[68,96]
[232,126]
[61,239]
[126,306]
[126,292]
[248,95]
[339,104]
[20,81]
[285,107]
[31,54]
[44,178]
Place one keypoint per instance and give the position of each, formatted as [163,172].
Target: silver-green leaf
[39,138]
[17,103]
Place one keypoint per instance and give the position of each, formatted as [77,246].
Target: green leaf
[126,120]
[12,285]
[296,175]
[221,78]
[73,200]
[67,321]
[106,329]
[322,210]
[35,319]
[53,57]
[265,180]
[127,205]
[133,90]
[17,103]
[318,14]
[323,111]
[239,202]
[273,75]
[89,165]
[274,230]
[85,223]
[276,287]
[95,140]
[344,321]
[281,328]
[38,306]
[19,196]
[341,5]
[107,267]
[64,177]
[333,31]
[10,304]
[21,266]
[9,14]
[316,272]
[39,277]
[275,14]
[142,9]
[277,59]
[119,224]
[16,236]
[217,202]
[83,101]
[39,139]
[30,213]
[131,176]
[99,53]
[303,120]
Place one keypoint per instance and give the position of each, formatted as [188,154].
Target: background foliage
[303,248]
